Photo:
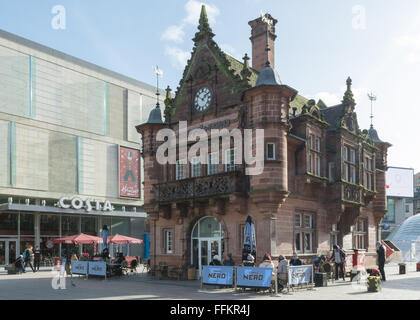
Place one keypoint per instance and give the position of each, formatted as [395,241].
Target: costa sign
[89,205]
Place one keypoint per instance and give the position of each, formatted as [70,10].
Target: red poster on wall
[129,165]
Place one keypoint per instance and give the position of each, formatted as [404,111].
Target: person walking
[28,258]
[339,257]
[282,272]
[37,258]
[380,250]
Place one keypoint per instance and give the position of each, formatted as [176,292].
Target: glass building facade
[62,121]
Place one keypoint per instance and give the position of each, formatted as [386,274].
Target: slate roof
[332,115]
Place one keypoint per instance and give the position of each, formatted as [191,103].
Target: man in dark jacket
[37,258]
[28,258]
[380,250]
[229,261]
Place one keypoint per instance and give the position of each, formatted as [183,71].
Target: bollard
[418,266]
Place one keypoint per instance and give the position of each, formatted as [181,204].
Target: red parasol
[118,239]
[78,239]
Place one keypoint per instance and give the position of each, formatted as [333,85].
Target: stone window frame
[178,166]
[273,151]
[303,230]
[369,172]
[315,154]
[165,246]
[349,163]
[210,166]
[229,167]
[195,167]
[360,234]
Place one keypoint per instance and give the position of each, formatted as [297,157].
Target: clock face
[202,99]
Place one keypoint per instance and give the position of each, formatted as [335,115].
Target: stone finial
[348,98]
[246,70]
[203,26]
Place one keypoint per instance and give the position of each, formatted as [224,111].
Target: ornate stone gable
[209,66]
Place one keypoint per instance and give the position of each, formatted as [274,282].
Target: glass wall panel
[50,225]
[90,225]
[71,99]
[14,82]
[120,226]
[8,224]
[27,224]
[69,225]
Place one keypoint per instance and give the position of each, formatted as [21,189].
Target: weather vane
[372,98]
[268,21]
[159,73]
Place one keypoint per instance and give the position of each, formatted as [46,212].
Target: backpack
[24,255]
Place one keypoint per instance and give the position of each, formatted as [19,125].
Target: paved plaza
[39,286]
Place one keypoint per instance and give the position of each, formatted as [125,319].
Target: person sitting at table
[105,253]
[268,263]
[120,258]
[229,261]
[295,261]
[74,257]
[250,261]
[215,261]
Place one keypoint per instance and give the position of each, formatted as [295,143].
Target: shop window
[304,233]
[8,224]
[69,225]
[89,225]
[27,224]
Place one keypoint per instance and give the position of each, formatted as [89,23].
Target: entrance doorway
[206,242]
[8,251]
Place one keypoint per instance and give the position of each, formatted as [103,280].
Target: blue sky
[319,44]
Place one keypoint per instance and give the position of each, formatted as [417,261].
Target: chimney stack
[259,39]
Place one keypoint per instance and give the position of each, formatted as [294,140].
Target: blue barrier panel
[79,267]
[97,268]
[253,277]
[217,275]
[300,274]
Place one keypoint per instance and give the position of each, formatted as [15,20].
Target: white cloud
[178,57]
[193,9]
[174,33]
[411,46]
[334,98]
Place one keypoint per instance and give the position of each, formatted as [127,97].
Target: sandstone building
[323,180]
